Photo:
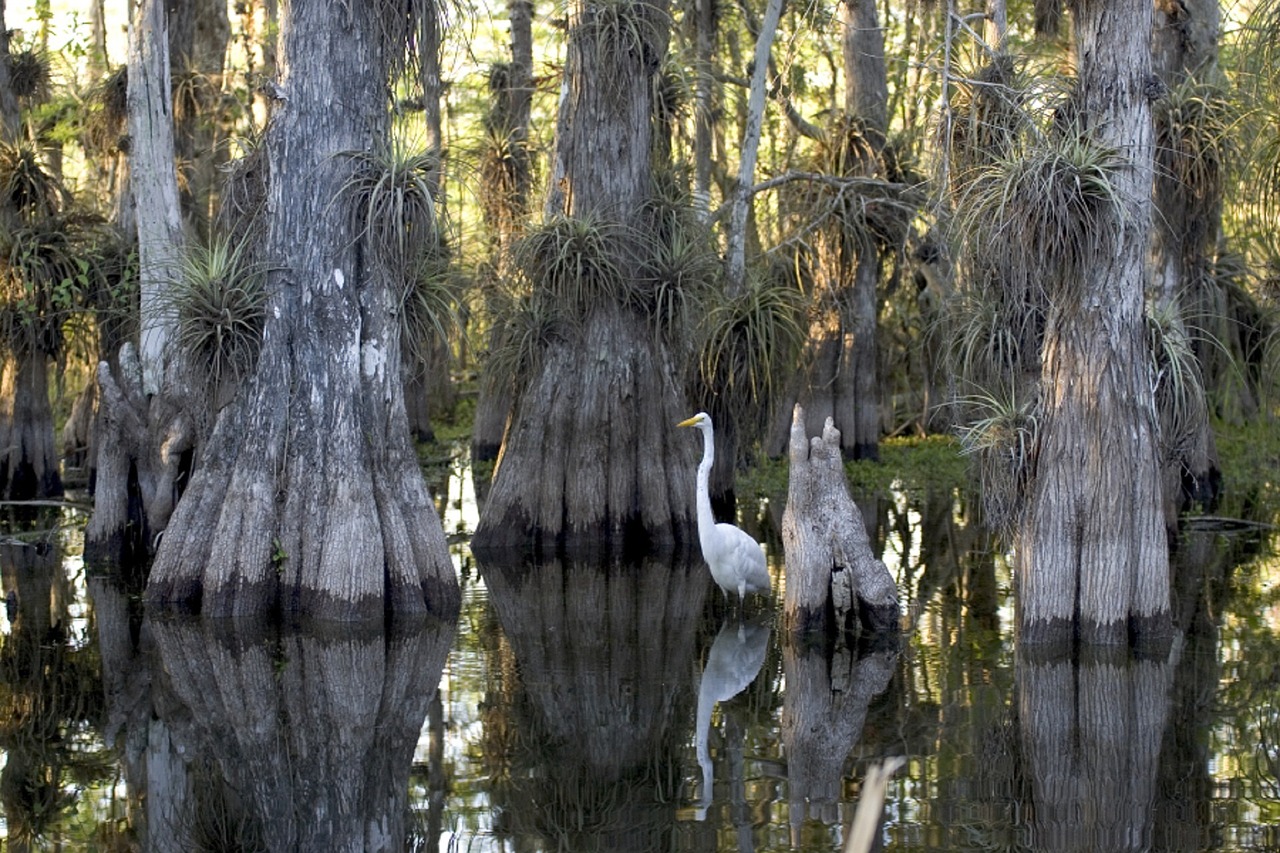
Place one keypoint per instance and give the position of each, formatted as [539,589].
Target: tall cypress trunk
[592,457]
[1092,543]
[1188,225]
[308,498]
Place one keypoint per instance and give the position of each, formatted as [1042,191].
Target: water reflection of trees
[599,702]
[48,705]
[250,736]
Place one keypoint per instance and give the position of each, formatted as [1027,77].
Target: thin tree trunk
[309,498]
[1093,539]
[140,434]
[1187,228]
[704,36]
[736,236]
[512,106]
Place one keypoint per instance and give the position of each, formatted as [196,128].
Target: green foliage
[917,465]
[1249,456]
[44,277]
[219,307]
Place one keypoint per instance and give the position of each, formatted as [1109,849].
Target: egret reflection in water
[734,661]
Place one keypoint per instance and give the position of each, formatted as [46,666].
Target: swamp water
[622,708]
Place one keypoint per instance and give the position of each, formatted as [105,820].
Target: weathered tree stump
[830,566]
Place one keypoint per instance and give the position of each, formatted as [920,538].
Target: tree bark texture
[308,497]
[28,452]
[154,182]
[832,574]
[592,461]
[141,458]
[1092,541]
[140,432]
[314,732]
[592,458]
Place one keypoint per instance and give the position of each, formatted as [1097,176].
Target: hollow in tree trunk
[308,497]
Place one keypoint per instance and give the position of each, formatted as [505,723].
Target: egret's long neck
[706,521]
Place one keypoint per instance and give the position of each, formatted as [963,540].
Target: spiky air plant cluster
[28,72]
[560,270]
[1042,205]
[43,279]
[392,203]
[219,308]
[506,172]
[1196,130]
[27,188]
[988,117]
[676,269]
[620,27]
[1179,391]
[106,118]
[44,271]
[750,342]
[390,196]
[1001,432]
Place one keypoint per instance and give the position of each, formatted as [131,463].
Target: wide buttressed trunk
[308,497]
[591,456]
[1093,559]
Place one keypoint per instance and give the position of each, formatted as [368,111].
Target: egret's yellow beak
[693,421]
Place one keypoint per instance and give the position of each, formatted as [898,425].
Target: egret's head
[702,419]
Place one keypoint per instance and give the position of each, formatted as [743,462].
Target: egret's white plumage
[736,561]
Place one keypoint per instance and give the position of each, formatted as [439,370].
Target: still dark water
[619,707]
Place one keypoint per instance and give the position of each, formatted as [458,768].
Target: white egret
[736,561]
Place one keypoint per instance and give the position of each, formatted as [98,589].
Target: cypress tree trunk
[308,497]
[592,456]
[1092,541]
[1188,199]
[140,434]
[28,455]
